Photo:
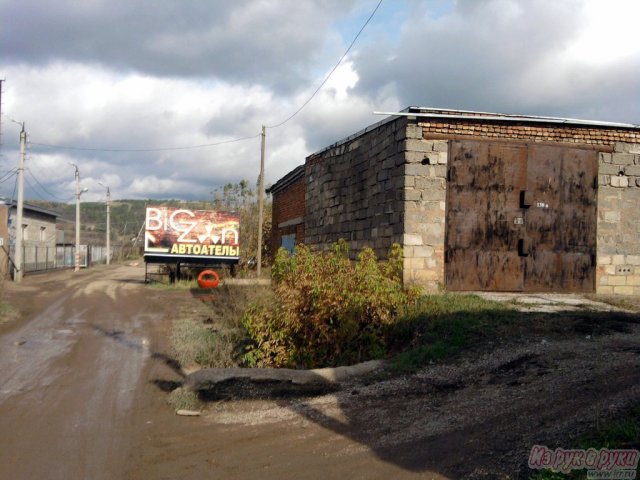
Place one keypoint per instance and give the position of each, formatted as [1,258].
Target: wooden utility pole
[261,201]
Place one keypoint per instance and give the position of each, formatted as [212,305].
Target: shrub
[326,309]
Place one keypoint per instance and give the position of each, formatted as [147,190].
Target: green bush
[326,310]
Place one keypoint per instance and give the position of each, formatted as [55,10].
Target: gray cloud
[499,56]
[169,73]
[269,42]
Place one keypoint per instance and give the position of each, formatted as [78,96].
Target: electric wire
[43,187]
[330,73]
[140,150]
[33,189]
[8,175]
[240,139]
[15,185]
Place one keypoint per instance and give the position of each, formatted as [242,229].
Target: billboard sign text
[191,234]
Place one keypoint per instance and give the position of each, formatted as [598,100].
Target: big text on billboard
[192,234]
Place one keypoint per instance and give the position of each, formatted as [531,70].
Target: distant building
[478,201]
[38,234]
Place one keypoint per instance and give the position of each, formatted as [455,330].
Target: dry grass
[621,301]
[183,399]
[209,332]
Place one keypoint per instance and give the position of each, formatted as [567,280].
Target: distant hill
[127,217]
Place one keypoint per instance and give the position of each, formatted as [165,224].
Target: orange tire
[208,279]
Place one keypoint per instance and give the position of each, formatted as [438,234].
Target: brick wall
[354,190]
[530,132]
[288,213]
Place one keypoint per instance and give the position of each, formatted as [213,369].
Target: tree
[241,198]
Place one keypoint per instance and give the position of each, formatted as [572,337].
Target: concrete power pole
[108,222]
[76,266]
[261,201]
[78,193]
[108,226]
[17,276]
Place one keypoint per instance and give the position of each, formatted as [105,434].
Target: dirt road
[81,397]
[71,373]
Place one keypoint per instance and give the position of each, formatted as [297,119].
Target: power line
[15,185]
[33,188]
[42,186]
[8,175]
[138,150]
[330,73]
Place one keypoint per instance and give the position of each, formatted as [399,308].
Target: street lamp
[108,221]
[78,193]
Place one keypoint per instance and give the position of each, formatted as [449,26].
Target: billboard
[191,235]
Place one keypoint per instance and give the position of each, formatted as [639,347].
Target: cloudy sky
[113,75]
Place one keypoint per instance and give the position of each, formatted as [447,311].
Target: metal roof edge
[473,115]
[34,208]
[289,178]
[359,133]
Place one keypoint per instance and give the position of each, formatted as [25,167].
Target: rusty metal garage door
[520,217]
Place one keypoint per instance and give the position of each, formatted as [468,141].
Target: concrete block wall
[388,184]
[618,243]
[4,241]
[425,193]
[354,190]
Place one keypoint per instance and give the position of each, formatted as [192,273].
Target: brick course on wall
[536,133]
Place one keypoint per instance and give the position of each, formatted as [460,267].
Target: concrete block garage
[479,201]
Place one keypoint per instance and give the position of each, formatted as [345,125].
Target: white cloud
[215,71]
[609,34]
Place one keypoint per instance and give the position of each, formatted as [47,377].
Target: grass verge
[622,433]
[209,332]
[7,313]
[440,326]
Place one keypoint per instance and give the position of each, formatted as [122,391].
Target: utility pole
[78,193]
[1,80]
[76,266]
[17,276]
[108,223]
[261,200]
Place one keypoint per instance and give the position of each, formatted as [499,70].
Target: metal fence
[38,259]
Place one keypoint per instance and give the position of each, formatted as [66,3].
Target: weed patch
[183,399]
[439,326]
[326,310]
[7,313]
[209,332]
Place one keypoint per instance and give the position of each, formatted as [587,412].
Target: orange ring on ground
[212,281]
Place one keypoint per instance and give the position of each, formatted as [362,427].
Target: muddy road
[71,372]
[84,375]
